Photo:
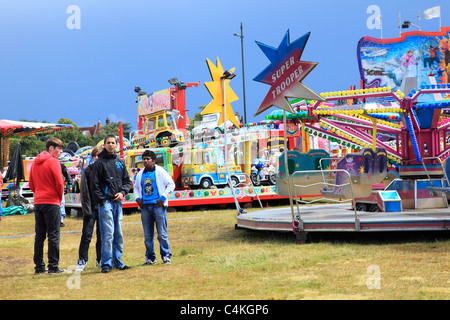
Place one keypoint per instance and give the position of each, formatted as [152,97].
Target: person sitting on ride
[259,164]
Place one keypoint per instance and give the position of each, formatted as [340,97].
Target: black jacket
[109,176]
[88,203]
[65,174]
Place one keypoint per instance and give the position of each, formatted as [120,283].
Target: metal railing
[442,166]
[236,197]
[332,159]
[244,184]
[443,190]
[326,184]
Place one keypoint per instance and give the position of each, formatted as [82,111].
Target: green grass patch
[212,260]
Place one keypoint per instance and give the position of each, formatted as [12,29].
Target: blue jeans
[63,207]
[151,215]
[110,221]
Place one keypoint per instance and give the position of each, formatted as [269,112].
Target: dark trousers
[48,223]
[86,237]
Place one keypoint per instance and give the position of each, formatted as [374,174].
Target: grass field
[212,260]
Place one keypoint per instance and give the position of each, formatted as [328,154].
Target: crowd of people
[103,186]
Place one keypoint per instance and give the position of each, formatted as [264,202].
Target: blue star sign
[285,73]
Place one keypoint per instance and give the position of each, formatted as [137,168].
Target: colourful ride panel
[298,162]
[364,168]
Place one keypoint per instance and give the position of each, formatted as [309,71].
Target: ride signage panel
[153,102]
[285,74]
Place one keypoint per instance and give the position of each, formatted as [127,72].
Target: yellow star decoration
[215,89]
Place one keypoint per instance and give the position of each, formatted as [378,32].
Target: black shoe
[56,270]
[106,270]
[40,270]
[62,224]
[125,267]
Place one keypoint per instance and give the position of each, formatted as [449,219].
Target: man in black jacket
[110,183]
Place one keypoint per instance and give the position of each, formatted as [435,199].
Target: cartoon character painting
[444,49]
[349,166]
[422,56]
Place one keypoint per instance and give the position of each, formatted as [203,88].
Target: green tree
[74,134]
[31,146]
[112,128]
[34,144]
[197,118]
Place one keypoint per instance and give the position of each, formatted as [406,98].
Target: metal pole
[243,73]
[228,177]
[418,18]
[381,26]
[225,127]
[374,134]
[286,168]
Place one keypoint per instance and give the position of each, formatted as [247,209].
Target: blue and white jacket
[163,181]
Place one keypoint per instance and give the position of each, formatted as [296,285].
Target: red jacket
[46,179]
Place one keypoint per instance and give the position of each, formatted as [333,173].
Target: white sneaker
[81,265]
[166,260]
[149,262]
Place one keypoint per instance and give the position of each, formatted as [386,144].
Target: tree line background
[32,145]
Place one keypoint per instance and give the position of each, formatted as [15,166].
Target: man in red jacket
[46,182]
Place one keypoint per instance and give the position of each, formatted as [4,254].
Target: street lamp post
[243,73]
[227,75]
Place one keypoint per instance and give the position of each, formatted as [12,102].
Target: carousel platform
[341,218]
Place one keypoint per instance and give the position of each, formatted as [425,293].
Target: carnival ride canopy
[13,128]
